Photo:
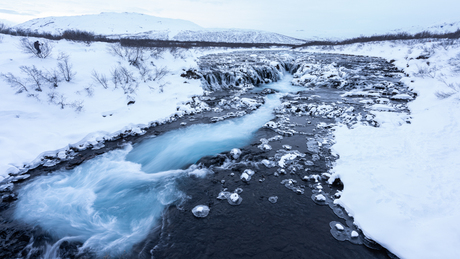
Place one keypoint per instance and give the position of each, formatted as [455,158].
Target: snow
[108,23]
[401,179]
[32,128]
[444,27]
[136,25]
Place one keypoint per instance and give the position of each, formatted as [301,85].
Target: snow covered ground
[43,123]
[401,180]
[135,25]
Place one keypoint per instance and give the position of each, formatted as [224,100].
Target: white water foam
[109,203]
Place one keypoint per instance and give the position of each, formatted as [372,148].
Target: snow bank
[401,180]
[31,125]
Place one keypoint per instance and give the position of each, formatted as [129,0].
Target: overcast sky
[341,18]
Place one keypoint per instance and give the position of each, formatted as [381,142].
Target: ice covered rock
[234,199]
[339,227]
[246,175]
[320,197]
[285,158]
[200,211]
[235,153]
[62,154]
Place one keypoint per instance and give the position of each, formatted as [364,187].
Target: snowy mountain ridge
[135,25]
[444,27]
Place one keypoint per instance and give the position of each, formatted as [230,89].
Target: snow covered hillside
[135,25]
[43,110]
[440,28]
[401,180]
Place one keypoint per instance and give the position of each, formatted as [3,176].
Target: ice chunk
[200,211]
[223,195]
[246,175]
[62,154]
[268,163]
[339,227]
[273,199]
[320,197]
[290,184]
[287,147]
[354,234]
[234,199]
[285,158]
[235,153]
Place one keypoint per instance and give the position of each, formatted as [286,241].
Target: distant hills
[135,25]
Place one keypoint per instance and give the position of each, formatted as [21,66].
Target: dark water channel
[137,200]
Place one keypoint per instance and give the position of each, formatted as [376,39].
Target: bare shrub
[159,73]
[124,78]
[77,105]
[52,77]
[134,55]
[455,89]
[15,83]
[144,72]
[156,52]
[52,97]
[100,78]
[89,91]
[65,67]
[177,52]
[27,46]
[455,63]
[60,100]
[35,76]
[426,71]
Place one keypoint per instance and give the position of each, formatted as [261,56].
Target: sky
[297,18]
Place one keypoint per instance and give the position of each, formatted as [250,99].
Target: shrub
[100,78]
[35,76]
[65,67]
[27,46]
[15,83]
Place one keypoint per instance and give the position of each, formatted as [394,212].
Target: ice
[291,184]
[232,198]
[62,154]
[320,197]
[273,199]
[339,227]
[246,175]
[344,233]
[200,211]
[235,152]
[287,157]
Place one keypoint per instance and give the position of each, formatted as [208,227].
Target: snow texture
[401,180]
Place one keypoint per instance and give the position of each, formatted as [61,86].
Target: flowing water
[113,201]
